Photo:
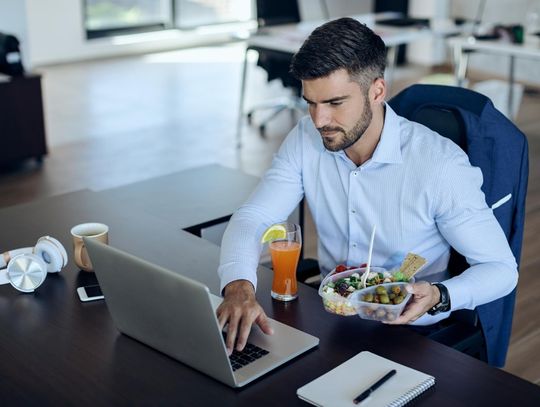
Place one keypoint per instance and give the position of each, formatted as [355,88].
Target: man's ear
[377,91]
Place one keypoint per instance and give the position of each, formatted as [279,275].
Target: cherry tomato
[340,268]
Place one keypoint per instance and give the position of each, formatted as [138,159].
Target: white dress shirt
[418,188]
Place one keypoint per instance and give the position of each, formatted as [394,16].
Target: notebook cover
[341,385]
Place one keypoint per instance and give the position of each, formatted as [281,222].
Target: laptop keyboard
[250,354]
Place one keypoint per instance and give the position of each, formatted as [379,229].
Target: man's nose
[320,116]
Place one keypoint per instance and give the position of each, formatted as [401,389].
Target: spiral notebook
[340,386]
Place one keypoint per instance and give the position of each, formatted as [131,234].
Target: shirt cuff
[232,272]
[460,297]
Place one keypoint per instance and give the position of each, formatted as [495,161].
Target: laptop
[176,315]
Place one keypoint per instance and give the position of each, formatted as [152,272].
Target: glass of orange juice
[285,253]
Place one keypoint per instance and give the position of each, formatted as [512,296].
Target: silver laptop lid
[176,315]
[163,309]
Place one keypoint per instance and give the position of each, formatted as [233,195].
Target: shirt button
[353,211]
[354,245]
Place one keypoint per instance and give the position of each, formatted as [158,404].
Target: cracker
[412,264]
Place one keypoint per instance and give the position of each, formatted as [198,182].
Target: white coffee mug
[94,231]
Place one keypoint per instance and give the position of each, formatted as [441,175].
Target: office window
[194,13]
[115,17]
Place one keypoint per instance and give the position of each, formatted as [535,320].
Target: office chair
[276,63]
[10,56]
[495,145]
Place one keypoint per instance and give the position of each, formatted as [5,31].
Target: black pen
[365,394]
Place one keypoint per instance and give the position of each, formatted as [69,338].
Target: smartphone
[90,293]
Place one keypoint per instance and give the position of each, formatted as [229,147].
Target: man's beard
[350,137]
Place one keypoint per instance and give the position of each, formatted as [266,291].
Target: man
[358,164]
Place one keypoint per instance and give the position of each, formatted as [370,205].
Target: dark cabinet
[22,127]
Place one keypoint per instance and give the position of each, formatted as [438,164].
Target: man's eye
[336,103]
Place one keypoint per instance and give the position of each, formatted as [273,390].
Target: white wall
[495,11]
[431,51]
[55,30]
[13,21]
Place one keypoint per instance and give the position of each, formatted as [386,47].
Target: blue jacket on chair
[495,145]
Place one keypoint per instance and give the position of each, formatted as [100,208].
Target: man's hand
[239,310]
[425,296]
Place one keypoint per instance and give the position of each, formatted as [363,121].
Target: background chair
[500,150]
[10,56]
[276,63]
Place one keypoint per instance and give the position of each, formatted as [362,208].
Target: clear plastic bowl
[378,311]
[335,303]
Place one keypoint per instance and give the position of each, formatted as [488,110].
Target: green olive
[380,290]
[396,289]
[399,299]
[384,299]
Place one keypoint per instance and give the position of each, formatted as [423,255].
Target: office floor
[117,121]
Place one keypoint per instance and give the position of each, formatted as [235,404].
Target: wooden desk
[56,350]
[193,199]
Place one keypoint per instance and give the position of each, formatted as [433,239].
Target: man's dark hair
[344,43]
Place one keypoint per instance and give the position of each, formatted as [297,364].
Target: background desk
[463,46]
[56,350]
[288,38]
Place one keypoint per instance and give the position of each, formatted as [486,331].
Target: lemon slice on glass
[274,232]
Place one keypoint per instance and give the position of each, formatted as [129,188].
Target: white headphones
[27,268]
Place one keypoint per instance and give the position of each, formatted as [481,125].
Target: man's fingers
[257,316]
[238,311]
[409,315]
[264,323]
[222,318]
[231,333]
[243,332]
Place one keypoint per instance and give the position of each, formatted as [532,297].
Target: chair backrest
[276,63]
[10,56]
[275,12]
[445,121]
[495,145]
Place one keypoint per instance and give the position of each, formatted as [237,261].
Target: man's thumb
[410,288]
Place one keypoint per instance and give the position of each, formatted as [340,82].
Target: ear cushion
[26,272]
[52,253]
